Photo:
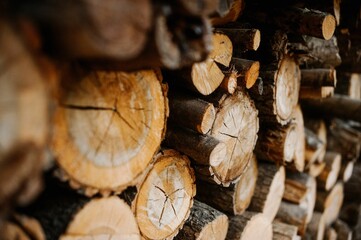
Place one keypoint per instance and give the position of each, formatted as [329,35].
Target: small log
[293,214]
[350,85]
[191,112]
[229,83]
[269,190]
[346,170]
[283,231]
[318,127]
[242,39]
[103,140]
[337,106]
[316,228]
[81,217]
[234,199]
[280,92]
[318,77]
[298,162]
[330,234]
[328,177]
[165,197]
[300,188]
[204,223]
[249,225]
[227,11]
[277,144]
[205,77]
[236,125]
[315,169]
[296,20]
[343,231]
[330,203]
[247,71]
[315,147]
[316,93]
[205,150]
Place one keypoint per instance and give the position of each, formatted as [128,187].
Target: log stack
[202,119]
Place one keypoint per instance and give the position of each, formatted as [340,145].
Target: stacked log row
[125,92]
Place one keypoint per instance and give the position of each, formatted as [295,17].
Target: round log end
[328,26]
[252,74]
[217,229]
[208,119]
[348,171]
[256,39]
[259,227]
[290,143]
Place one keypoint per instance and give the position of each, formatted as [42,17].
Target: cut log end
[256,39]
[290,144]
[165,197]
[347,172]
[103,218]
[208,119]
[103,138]
[328,26]
[252,74]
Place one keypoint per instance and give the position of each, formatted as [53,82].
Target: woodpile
[201,119]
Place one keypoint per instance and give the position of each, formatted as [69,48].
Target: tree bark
[269,190]
[165,197]
[293,214]
[191,112]
[204,223]
[249,225]
[104,139]
[247,71]
[242,39]
[234,199]
[318,77]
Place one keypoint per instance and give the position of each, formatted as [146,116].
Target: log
[337,106]
[205,77]
[247,71]
[318,77]
[269,190]
[227,11]
[242,39]
[321,53]
[296,20]
[103,140]
[205,223]
[277,144]
[249,225]
[293,214]
[330,203]
[205,150]
[236,125]
[343,231]
[23,121]
[22,227]
[352,190]
[300,188]
[65,215]
[328,177]
[316,93]
[165,197]
[346,170]
[315,169]
[350,85]
[314,147]
[298,162]
[283,231]
[330,234]
[234,199]
[280,92]
[344,139]
[316,228]
[318,127]
[229,83]
[191,112]
[350,213]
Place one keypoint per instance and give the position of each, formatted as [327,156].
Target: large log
[165,197]
[67,216]
[280,91]
[204,223]
[337,106]
[234,199]
[107,127]
[249,225]
[23,121]
[269,190]
[236,125]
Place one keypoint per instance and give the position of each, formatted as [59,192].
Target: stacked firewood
[202,119]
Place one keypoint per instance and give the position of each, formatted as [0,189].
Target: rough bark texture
[204,223]
[269,190]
